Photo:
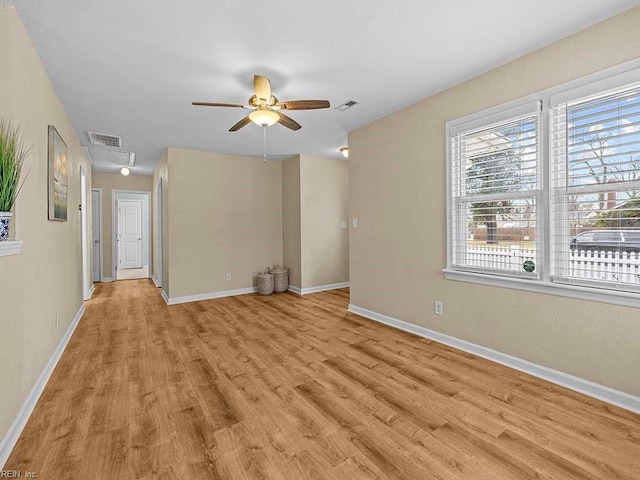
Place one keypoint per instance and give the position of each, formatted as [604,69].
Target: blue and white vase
[5,221]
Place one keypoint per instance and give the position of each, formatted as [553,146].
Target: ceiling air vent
[105,140]
[110,159]
[347,105]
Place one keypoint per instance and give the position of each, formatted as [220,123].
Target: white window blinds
[596,190]
[495,186]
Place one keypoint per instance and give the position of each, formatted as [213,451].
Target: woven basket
[280,280]
[265,284]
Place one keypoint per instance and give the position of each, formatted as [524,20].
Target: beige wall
[160,247]
[45,279]
[226,217]
[108,182]
[397,191]
[324,203]
[291,234]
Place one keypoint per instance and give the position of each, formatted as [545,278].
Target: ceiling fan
[267,109]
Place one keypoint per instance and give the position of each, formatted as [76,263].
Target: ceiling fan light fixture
[125,171]
[264,118]
[345,152]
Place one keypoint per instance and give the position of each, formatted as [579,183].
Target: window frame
[594,84]
[523,109]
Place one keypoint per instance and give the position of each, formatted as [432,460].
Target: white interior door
[96,221]
[129,234]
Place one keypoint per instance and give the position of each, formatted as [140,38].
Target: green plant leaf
[12,157]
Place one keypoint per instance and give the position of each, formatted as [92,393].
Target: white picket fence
[499,257]
[621,267]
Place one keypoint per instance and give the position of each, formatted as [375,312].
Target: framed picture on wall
[57,176]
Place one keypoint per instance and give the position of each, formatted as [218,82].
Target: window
[596,187]
[544,193]
[496,195]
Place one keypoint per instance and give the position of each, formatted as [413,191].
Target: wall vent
[104,140]
[347,105]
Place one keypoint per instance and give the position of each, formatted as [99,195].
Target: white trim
[593,294]
[107,279]
[114,225]
[87,272]
[159,227]
[245,291]
[154,280]
[599,83]
[595,390]
[10,247]
[207,296]
[90,293]
[486,118]
[10,439]
[165,297]
[98,190]
[611,78]
[321,288]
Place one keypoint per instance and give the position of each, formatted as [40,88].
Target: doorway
[132,234]
[96,233]
[157,271]
[87,286]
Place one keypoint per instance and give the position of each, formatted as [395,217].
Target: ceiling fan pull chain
[264,144]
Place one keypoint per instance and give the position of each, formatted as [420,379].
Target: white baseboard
[91,290]
[154,280]
[106,279]
[321,288]
[207,296]
[244,291]
[592,389]
[15,430]
[165,297]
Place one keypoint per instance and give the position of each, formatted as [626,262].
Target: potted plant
[12,156]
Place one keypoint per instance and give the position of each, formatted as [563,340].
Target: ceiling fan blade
[209,104]
[288,122]
[305,104]
[262,87]
[242,123]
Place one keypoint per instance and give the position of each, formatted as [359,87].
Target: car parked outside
[607,240]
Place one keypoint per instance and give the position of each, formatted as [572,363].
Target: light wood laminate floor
[288,387]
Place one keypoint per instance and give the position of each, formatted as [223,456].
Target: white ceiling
[132,68]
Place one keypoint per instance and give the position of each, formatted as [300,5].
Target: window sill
[613,297]
[12,247]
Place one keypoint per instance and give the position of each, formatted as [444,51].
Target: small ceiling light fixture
[264,118]
[345,152]
[125,171]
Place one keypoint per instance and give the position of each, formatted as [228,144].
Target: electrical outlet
[57,320]
[354,223]
[437,308]
[228,277]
